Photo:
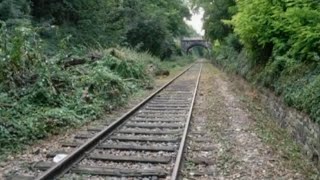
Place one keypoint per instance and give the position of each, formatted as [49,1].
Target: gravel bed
[148,130]
[164,102]
[202,145]
[148,154]
[177,92]
[182,121]
[92,133]
[66,150]
[157,122]
[111,142]
[21,164]
[86,177]
[24,170]
[189,173]
[201,154]
[168,109]
[198,144]
[160,117]
[152,129]
[124,165]
[162,114]
[145,135]
[200,168]
[173,94]
[80,141]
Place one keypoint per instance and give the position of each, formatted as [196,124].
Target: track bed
[145,143]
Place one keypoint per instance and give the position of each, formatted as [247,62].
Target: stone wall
[305,131]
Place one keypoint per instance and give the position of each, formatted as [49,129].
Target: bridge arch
[189,43]
[196,45]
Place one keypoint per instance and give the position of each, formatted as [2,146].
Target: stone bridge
[188,43]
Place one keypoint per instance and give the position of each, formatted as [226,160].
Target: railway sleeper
[167,106]
[172,103]
[147,132]
[132,138]
[18,177]
[145,139]
[127,147]
[182,118]
[185,100]
[158,113]
[115,172]
[167,110]
[135,159]
[154,125]
[169,91]
[175,94]
[147,119]
[174,98]
[150,116]
[158,120]
[177,90]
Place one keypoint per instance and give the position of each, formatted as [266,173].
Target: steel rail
[176,169]
[76,156]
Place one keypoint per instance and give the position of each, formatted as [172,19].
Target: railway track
[145,143]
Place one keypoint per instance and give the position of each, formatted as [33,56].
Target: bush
[281,49]
[297,82]
[40,96]
[288,28]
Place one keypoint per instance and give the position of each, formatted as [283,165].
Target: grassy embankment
[276,45]
[297,83]
[40,98]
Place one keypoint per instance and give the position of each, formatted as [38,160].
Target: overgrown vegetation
[59,67]
[272,43]
[39,97]
[150,25]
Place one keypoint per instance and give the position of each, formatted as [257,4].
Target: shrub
[43,96]
[288,28]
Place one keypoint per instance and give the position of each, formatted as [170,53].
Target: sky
[196,21]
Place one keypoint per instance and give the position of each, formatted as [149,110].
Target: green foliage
[291,28]
[50,81]
[152,25]
[215,13]
[148,25]
[12,10]
[297,82]
[177,62]
[148,35]
[18,54]
[40,95]
[281,45]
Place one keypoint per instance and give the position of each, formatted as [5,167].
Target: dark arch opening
[197,45]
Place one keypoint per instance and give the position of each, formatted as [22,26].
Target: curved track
[145,143]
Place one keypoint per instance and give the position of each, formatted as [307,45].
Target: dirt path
[241,136]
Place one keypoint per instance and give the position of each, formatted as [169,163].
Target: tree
[152,25]
[282,28]
[12,11]
[215,13]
